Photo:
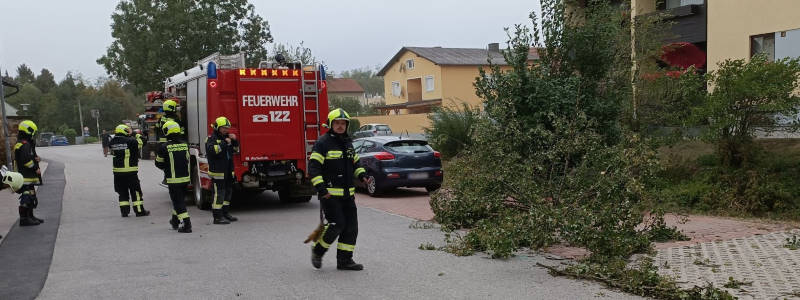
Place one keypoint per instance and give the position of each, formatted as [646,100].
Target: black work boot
[24,220]
[316,259]
[185,226]
[228,216]
[125,210]
[174,222]
[143,213]
[348,264]
[218,218]
[30,215]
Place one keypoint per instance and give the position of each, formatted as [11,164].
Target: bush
[451,129]
[766,186]
[748,95]
[91,139]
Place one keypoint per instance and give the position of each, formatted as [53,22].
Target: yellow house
[417,79]
[732,29]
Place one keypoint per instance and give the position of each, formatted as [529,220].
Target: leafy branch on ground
[642,279]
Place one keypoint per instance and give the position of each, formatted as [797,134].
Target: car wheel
[432,188]
[372,186]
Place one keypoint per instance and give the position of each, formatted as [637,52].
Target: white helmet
[12,179]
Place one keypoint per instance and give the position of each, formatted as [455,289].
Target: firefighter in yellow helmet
[170,108]
[332,167]
[26,162]
[125,150]
[220,148]
[173,158]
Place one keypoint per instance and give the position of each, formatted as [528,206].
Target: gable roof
[344,85]
[455,56]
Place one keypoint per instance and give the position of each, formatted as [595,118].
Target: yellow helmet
[28,127]
[338,114]
[221,122]
[170,105]
[171,127]
[13,179]
[122,129]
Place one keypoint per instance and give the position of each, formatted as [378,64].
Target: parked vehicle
[59,140]
[392,161]
[372,130]
[44,139]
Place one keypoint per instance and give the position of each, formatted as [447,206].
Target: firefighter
[332,168]
[26,162]
[124,148]
[220,147]
[139,139]
[173,158]
[170,108]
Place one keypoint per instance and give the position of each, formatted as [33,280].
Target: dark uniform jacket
[220,156]
[333,166]
[126,153]
[173,158]
[25,160]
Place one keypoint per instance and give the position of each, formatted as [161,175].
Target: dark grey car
[392,161]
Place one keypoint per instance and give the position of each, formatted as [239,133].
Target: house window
[764,43]
[429,83]
[395,89]
[410,64]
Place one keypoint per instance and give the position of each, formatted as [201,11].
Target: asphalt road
[99,255]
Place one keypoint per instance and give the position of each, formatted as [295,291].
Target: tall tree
[157,39]
[25,74]
[45,81]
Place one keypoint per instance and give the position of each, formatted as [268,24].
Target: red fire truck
[275,110]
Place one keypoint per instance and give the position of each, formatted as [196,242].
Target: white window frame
[432,86]
[410,64]
[396,91]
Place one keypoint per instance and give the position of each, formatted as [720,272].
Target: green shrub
[451,129]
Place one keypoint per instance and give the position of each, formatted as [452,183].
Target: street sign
[95,113]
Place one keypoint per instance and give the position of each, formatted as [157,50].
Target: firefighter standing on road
[173,158]
[220,147]
[332,167]
[26,162]
[124,148]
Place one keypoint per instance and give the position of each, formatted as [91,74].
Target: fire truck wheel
[204,203]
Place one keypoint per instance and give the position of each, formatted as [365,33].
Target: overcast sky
[67,36]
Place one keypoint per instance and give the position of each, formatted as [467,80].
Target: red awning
[683,55]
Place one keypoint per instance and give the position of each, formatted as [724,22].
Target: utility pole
[80,115]
[5,125]
[96,116]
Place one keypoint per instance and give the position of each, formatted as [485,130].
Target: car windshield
[382,128]
[408,147]
[59,137]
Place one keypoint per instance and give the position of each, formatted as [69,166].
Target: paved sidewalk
[410,202]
